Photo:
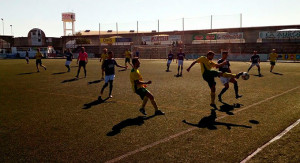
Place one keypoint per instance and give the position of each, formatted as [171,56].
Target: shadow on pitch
[58,73]
[70,80]
[27,73]
[210,122]
[125,69]
[276,73]
[93,103]
[229,108]
[138,121]
[94,82]
[259,75]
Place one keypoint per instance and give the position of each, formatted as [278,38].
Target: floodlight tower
[68,17]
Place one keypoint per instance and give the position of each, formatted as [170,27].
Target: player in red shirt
[83,60]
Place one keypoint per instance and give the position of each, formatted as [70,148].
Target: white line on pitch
[271,141]
[188,130]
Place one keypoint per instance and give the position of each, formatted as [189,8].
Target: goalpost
[152,51]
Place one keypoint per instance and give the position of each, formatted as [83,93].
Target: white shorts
[180,62]
[169,62]
[224,80]
[26,58]
[254,64]
[108,78]
[68,62]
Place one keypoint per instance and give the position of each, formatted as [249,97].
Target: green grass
[42,117]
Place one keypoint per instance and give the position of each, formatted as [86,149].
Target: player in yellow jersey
[209,75]
[127,57]
[103,57]
[38,57]
[139,87]
[273,58]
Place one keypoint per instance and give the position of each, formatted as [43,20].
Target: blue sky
[24,15]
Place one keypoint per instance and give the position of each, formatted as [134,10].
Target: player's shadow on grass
[138,121]
[210,122]
[27,73]
[58,73]
[259,75]
[96,102]
[70,80]
[229,108]
[125,69]
[94,82]
[276,73]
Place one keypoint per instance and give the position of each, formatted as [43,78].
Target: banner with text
[280,35]
[219,36]
[161,38]
[108,40]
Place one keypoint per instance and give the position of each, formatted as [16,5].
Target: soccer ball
[245,76]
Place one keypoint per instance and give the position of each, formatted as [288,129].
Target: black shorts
[127,60]
[82,63]
[272,63]
[209,77]
[38,61]
[142,92]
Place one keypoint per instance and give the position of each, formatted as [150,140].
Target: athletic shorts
[169,62]
[27,58]
[127,60]
[38,61]
[109,77]
[272,63]
[254,64]
[142,92]
[209,77]
[180,62]
[68,63]
[82,63]
[224,80]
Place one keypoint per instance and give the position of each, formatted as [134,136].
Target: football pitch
[52,117]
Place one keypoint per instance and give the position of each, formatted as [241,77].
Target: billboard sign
[161,38]
[108,40]
[204,37]
[230,36]
[279,35]
[123,40]
[68,16]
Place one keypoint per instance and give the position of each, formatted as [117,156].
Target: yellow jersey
[135,75]
[128,54]
[205,62]
[38,55]
[104,56]
[273,57]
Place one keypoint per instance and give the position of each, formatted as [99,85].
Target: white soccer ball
[245,76]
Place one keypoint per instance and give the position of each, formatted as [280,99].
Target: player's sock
[236,90]
[78,73]
[104,86]
[221,93]
[110,88]
[84,73]
[212,97]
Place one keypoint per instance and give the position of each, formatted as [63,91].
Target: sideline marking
[271,141]
[186,131]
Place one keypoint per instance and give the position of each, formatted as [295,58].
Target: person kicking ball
[209,75]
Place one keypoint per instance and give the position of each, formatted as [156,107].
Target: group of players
[108,64]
